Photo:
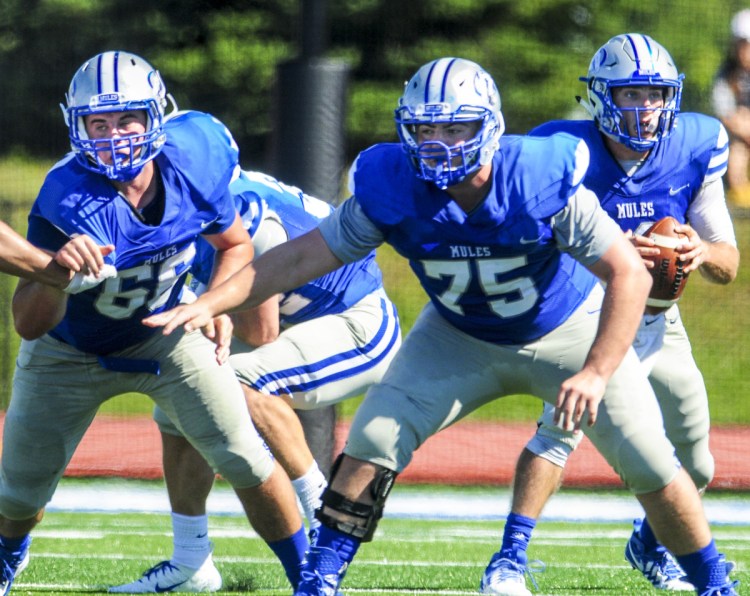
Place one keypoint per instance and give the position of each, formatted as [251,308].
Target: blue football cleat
[12,563]
[727,589]
[323,573]
[719,582]
[658,566]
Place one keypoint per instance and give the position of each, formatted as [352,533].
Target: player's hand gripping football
[692,250]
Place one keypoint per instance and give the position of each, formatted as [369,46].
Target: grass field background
[84,552]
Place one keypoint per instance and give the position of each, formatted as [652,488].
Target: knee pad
[554,451]
[366,517]
[552,443]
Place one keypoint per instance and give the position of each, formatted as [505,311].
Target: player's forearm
[228,262]
[19,257]
[279,270]
[37,308]
[258,326]
[622,309]
[721,263]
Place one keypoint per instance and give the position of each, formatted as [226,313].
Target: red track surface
[466,453]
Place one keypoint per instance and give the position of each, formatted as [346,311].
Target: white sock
[309,488]
[190,540]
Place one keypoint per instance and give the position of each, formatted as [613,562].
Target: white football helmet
[116,82]
[632,60]
[450,90]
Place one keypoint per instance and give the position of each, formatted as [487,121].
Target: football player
[501,234]
[148,184]
[313,346]
[646,163]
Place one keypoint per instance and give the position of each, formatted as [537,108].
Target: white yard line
[450,504]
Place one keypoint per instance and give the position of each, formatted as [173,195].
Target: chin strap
[584,103]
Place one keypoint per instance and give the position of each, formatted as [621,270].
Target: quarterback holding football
[658,173]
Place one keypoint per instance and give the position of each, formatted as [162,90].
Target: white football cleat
[171,577]
[506,574]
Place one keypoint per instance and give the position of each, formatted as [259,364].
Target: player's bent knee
[696,458]
[702,473]
[241,472]
[551,442]
[551,448]
[16,510]
[351,517]
[642,472]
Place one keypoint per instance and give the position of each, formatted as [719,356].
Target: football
[668,273]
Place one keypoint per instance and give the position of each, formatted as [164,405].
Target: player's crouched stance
[527,344]
[500,232]
[131,184]
[314,346]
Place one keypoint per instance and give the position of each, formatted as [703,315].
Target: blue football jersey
[196,165]
[255,195]
[665,184]
[496,273]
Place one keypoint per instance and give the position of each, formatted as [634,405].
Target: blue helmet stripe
[116,79]
[99,74]
[637,56]
[445,79]
[634,47]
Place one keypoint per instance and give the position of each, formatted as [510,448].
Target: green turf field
[85,552]
[432,540]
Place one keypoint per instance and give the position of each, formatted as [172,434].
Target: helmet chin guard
[449,90]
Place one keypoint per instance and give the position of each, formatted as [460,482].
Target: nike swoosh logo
[530,241]
[674,191]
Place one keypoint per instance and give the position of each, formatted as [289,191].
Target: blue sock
[700,567]
[517,534]
[15,545]
[291,553]
[345,545]
[647,536]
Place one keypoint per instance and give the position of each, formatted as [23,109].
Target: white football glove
[81,282]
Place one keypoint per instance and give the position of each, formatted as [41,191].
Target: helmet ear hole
[449,90]
[116,82]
